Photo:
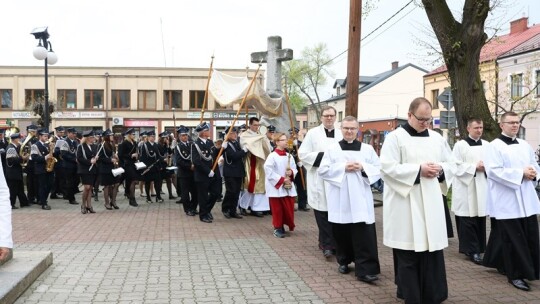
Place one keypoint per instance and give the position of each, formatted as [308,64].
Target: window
[483,86]
[340,115]
[434,100]
[31,96]
[7,98]
[93,99]
[515,85]
[147,100]
[304,125]
[120,99]
[537,84]
[172,99]
[67,99]
[196,99]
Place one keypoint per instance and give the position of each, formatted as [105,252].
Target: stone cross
[274,56]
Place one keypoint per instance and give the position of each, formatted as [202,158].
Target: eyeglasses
[254,125]
[422,120]
[329,116]
[282,139]
[349,129]
[512,123]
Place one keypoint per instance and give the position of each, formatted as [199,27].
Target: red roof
[499,45]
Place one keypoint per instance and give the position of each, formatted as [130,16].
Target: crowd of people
[331,172]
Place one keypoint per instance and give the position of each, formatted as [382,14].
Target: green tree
[307,74]
[461,43]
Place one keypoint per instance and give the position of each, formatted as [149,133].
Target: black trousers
[56,187]
[420,276]
[449,229]
[301,189]
[154,177]
[45,181]
[16,190]
[518,248]
[357,242]
[471,233]
[232,194]
[188,195]
[326,238]
[208,192]
[70,183]
[31,185]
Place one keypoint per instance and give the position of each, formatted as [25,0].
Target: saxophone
[51,161]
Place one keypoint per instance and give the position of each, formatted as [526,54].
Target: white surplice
[274,169]
[510,196]
[469,192]
[315,142]
[6,239]
[348,194]
[413,214]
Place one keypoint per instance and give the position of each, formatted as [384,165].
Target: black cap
[2,131]
[98,132]
[31,128]
[202,126]
[233,129]
[243,127]
[295,130]
[164,134]
[271,128]
[15,135]
[88,133]
[71,130]
[59,129]
[182,130]
[107,132]
[43,132]
[151,133]
[129,131]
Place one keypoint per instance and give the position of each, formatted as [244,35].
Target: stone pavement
[156,254]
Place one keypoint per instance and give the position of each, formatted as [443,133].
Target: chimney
[519,25]
[395,65]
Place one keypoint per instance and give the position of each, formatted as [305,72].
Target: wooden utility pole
[353,60]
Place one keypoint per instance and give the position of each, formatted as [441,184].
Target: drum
[116,172]
[140,165]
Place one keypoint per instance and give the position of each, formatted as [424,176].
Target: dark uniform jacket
[69,157]
[13,167]
[3,149]
[149,155]
[85,153]
[105,159]
[203,155]
[38,159]
[125,150]
[233,163]
[182,154]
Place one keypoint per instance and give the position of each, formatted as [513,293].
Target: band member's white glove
[224,145]
[211,174]
[220,160]
[299,164]
[295,142]
[245,149]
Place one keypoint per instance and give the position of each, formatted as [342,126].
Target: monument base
[20,272]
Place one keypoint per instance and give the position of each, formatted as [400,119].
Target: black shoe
[206,219]
[73,203]
[226,214]
[25,205]
[148,201]
[520,284]
[343,269]
[179,201]
[210,216]
[54,196]
[243,212]
[327,253]
[159,200]
[368,278]
[14,207]
[133,202]
[304,208]
[279,233]
[195,211]
[152,195]
[46,207]
[236,215]
[257,213]
[190,213]
[83,209]
[476,258]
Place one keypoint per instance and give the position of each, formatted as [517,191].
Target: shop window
[172,99]
[93,99]
[66,99]
[147,100]
[120,99]
[7,98]
[196,99]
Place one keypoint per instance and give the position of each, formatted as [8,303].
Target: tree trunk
[461,44]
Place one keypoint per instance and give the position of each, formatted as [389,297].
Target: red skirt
[282,211]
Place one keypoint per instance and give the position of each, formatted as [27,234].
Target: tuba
[24,151]
[51,161]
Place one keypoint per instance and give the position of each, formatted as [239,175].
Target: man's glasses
[512,122]
[349,129]
[422,120]
[329,116]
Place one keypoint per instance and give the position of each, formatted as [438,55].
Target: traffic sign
[448,119]
[446,98]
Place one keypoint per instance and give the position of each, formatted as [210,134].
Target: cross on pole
[273,57]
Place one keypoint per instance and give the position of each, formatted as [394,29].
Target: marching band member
[107,161]
[3,148]
[40,154]
[185,180]
[68,154]
[127,152]
[31,179]
[233,173]
[165,153]
[150,157]
[86,160]
[14,172]
[59,167]
[270,131]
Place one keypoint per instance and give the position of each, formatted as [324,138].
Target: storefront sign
[197,115]
[66,114]
[225,115]
[92,114]
[140,123]
[19,115]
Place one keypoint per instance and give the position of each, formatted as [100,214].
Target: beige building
[114,97]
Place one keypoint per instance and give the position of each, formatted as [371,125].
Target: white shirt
[274,170]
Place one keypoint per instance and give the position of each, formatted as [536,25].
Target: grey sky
[129,33]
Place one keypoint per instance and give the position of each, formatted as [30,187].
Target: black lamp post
[44,51]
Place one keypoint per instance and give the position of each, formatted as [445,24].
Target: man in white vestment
[348,169]
[6,240]
[258,147]
[470,191]
[417,167]
[311,152]
[513,247]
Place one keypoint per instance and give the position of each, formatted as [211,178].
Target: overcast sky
[186,33]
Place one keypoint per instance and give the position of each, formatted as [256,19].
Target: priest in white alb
[513,247]
[469,192]
[311,152]
[348,169]
[417,168]
[6,240]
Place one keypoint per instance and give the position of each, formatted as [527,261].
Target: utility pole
[353,60]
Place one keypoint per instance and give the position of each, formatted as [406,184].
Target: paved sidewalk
[156,254]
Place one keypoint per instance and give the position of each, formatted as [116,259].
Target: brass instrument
[51,161]
[11,130]
[24,152]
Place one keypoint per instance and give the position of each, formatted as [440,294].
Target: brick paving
[156,254]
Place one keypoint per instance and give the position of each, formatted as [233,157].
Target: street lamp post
[44,51]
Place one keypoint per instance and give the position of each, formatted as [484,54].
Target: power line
[373,31]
